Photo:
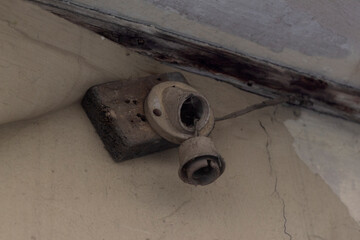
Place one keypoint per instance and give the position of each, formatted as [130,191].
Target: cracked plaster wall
[58,182]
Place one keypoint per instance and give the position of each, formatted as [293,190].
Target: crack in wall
[176,210]
[268,139]
[284,216]
[275,192]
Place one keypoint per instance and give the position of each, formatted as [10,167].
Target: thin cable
[251,108]
[196,121]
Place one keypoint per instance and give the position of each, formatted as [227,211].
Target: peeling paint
[330,147]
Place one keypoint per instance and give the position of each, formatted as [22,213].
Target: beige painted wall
[58,182]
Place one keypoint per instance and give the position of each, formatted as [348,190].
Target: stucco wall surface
[58,182]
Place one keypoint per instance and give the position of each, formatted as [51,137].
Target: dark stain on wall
[245,72]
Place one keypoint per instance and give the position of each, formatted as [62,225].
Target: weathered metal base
[116,109]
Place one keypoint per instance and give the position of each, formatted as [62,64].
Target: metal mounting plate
[116,110]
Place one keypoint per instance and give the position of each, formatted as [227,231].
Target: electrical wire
[251,108]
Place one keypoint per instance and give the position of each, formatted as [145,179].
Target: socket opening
[202,170]
[193,109]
